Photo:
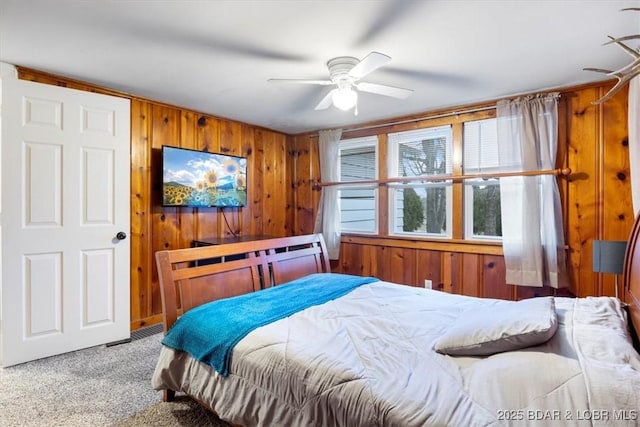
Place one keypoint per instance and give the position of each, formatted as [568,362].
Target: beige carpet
[181,412]
[97,387]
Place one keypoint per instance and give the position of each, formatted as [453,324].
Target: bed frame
[191,277]
[631,273]
[194,276]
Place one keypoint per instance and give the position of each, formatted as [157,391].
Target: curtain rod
[558,172]
[417,119]
[438,116]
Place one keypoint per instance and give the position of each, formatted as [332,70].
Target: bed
[364,352]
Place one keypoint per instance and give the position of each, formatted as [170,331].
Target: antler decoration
[626,73]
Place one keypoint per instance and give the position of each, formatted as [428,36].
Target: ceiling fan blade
[371,62]
[303,81]
[389,17]
[326,101]
[394,92]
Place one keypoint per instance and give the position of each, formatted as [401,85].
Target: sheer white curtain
[532,232]
[634,141]
[328,216]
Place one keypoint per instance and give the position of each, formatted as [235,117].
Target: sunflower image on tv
[194,178]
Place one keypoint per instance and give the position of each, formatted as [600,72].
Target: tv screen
[200,179]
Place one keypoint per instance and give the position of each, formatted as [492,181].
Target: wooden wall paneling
[269,180]
[352,260]
[140,232]
[584,142]
[271,192]
[493,278]
[230,143]
[446,283]
[470,273]
[208,222]
[379,261]
[452,272]
[596,200]
[617,212]
[314,178]
[208,134]
[401,264]
[364,260]
[562,161]
[230,138]
[370,260]
[258,184]
[189,129]
[285,186]
[357,259]
[598,182]
[424,120]
[585,146]
[276,205]
[292,181]
[304,172]
[248,151]
[523,292]
[186,217]
[38,76]
[153,227]
[429,266]
[165,130]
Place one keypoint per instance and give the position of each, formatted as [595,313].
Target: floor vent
[139,334]
[146,332]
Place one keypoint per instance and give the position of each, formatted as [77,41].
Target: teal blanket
[209,332]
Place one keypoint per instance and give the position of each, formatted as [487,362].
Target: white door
[65,197]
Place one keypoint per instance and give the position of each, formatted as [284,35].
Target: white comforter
[367,359]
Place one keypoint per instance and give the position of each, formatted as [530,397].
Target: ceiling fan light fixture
[345,73]
[345,98]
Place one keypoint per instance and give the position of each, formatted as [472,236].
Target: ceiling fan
[345,73]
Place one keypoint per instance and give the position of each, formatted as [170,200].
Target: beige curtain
[328,216]
[532,231]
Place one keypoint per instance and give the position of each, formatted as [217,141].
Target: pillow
[500,327]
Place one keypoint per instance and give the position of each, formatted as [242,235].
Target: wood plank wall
[596,201]
[154,227]
[283,198]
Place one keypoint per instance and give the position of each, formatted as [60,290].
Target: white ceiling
[216,56]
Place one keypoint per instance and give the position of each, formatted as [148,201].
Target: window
[420,208]
[358,202]
[482,217]
[424,209]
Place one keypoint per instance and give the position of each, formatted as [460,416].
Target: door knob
[121,235]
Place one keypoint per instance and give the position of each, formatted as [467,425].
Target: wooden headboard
[191,277]
[632,279]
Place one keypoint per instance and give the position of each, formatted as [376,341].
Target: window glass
[359,162]
[482,216]
[420,208]
[358,202]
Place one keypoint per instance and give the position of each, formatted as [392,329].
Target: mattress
[368,359]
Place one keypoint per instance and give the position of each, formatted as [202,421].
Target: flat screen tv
[192,178]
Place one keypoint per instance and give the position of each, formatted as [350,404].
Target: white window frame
[468,213]
[395,139]
[468,194]
[351,143]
